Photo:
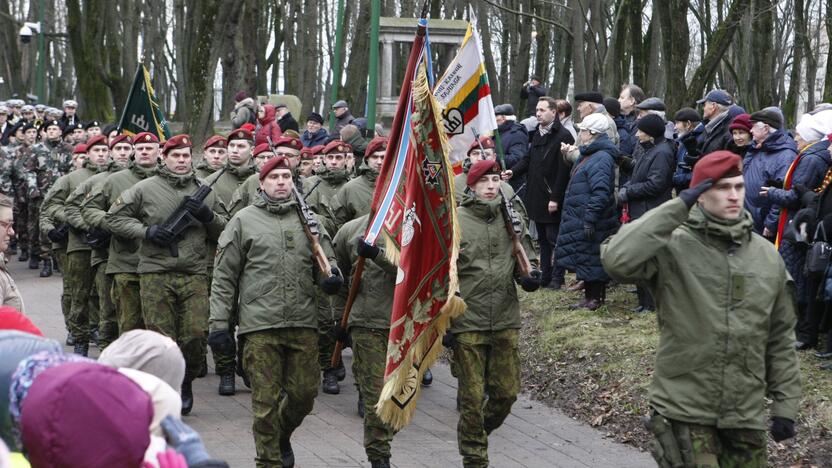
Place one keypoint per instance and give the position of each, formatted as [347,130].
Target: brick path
[533,436]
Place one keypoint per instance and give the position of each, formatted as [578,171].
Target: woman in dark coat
[589,211]
[651,183]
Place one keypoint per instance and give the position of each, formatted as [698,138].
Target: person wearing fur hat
[259,253]
[726,313]
[651,182]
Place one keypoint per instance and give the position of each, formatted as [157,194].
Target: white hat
[813,127]
[595,123]
[70,103]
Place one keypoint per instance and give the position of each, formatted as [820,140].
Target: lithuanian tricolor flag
[465,95]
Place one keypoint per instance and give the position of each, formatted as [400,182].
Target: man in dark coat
[285,119]
[547,176]
[514,139]
[715,114]
[532,91]
[315,134]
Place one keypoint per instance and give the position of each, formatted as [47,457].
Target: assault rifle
[181,219]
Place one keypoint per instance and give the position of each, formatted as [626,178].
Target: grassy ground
[596,366]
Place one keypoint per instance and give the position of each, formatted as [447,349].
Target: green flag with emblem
[141,111]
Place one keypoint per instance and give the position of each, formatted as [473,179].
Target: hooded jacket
[766,166]
[244,112]
[725,311]
[268,126]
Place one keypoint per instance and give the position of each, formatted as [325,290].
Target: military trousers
[37,246]
[21,217]
[326,325]
[107,320]
[176,305]
[66,297]
[369,348]
[127,301]
[678,444]
[487,363]
[279,359]
[78,280]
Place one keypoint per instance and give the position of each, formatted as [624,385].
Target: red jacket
[268,127]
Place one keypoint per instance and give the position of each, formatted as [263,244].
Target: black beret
[612,106]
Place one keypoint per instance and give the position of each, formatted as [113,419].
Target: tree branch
[531,15]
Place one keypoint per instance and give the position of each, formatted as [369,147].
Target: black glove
[530,283]
[366,250]
[589,231]
[186,441]
[96,238]
[221,342]
[804,216]
[692,147]
[449,340]
[59,234]
[781,428]
[198,210]
[159,235]
[331,284]
[689,196]
[340,333]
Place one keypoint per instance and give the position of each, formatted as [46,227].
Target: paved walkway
[532,436]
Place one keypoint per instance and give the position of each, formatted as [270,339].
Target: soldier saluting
[172,268]
[270,257]
[726,314]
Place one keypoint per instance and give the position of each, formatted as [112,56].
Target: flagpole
[129,97]
[373,78]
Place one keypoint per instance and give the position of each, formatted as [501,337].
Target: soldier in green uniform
[265,259]
[98,239]
[123,253]
[214,154]
[484,338]
[726,311]
[50,159]
[238,168]
[78,275]
[172,266]
[58,233]
[369,327]
[306,168]
[354,198]
[248,191]
[23,159]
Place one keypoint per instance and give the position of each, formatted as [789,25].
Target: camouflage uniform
[22,154]
[107,323]
[369,327]
[174,290]
[122,257]
[49,211]
[486,355]
[49,161]
[265,257]
[7,173]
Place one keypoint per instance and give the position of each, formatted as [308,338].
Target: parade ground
[533,436]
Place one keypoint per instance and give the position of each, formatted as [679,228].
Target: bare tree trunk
[827,76]
[10,63]
[790,110]
[579,77]
[674,51]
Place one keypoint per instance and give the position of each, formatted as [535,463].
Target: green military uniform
[245,194]
[486,353]
[355,197]
[7,173]
[265,256]
[225,184]
[78,271]
[49,161]
[725,309]
[460,187]
[174,290]
[21,154]
[49,210]
[369,327]
[107,320]
[122,256]
[203,170]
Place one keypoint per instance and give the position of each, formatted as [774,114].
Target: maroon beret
[481,168]
[317,149]
[241,134]
[337,146]
[487,143]
[288,142]
[277,162]
[262,148]
[119,139]
[715,166]
[307,153]
[217,140]
[145,137]
[177,142]
[378,143]
[80,148]
[96,140]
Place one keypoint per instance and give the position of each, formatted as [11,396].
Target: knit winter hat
[147,351]
[741,122]
[652,125]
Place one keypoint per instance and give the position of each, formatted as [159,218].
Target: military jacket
[49,161]
[230,180]
[52,213]
[354,198]
[203,170]
[461,184]
[71,213]
[7,173]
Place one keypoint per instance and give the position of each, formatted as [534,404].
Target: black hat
[535,77]
[652,125]
[768,116]
[27,126]
[315,117]
[612,106]
[68,129]
[92,123]
[504,109]
[687,114]
[590,96]
[652,103]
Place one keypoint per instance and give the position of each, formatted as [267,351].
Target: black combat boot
[329,384]
[427,378]
[34,262]
[94,336]
[341,371]
[286,453]
[227,386]
[380,463]
[46,271]
[81,348]
[187,398]
[70,340]
[24,255]
[360,405]
[56,266]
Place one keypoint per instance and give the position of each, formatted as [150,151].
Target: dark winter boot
[187,398]
[380,463]
[329,384]
[427,378]
[594,292]
[203,371]
[94,336]
[341,371]
[286,453]
[34,263]
[81,348]
[46,271]
[227,386]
